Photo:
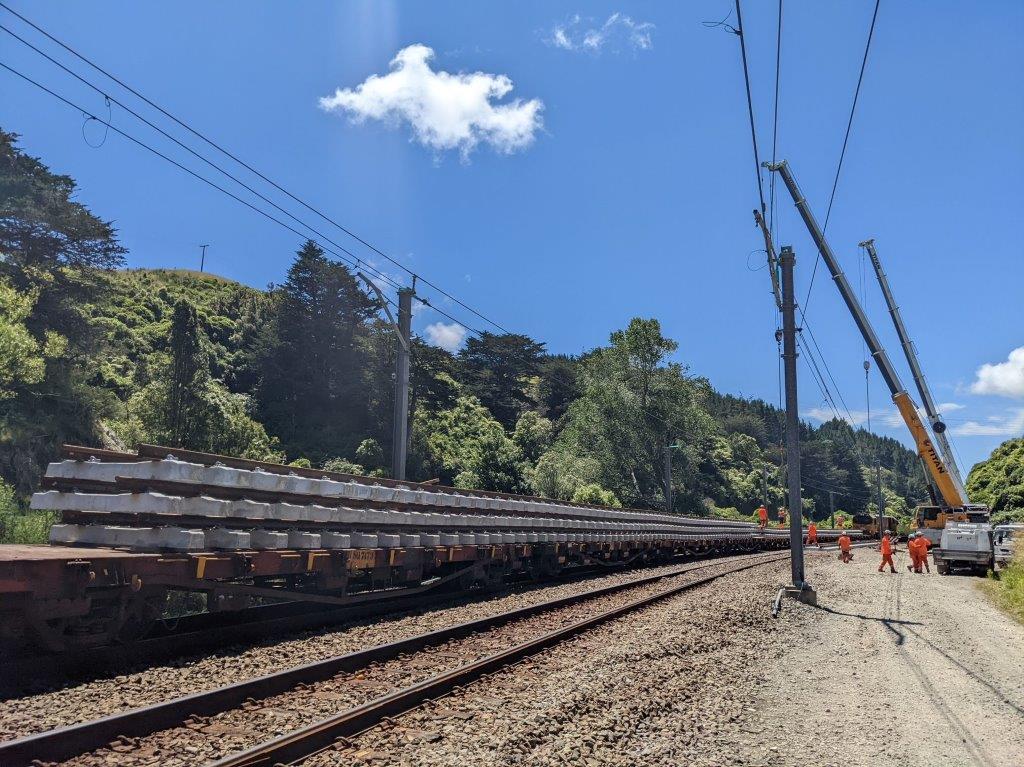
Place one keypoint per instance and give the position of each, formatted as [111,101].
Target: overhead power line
[846,139]
[358,265]
[750,104]
[775,121]
[262,176]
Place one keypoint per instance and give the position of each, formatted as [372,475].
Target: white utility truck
[965,545]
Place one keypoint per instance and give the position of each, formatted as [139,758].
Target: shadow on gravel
[995,690]
[867,617]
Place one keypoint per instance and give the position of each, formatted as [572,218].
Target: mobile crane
[950,502]
[930,519]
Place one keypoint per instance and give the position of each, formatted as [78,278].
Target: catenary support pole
[764,483]
[668,479]
[881,501]
[796,542]
[400,437]
[832,508]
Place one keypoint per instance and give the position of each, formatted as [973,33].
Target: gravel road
[908,670]
[60,706]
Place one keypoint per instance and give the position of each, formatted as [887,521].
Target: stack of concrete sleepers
[177,505]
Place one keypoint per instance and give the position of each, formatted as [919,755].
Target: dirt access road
[909,670]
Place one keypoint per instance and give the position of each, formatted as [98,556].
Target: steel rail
[201,632]
[301,744]
[67,742]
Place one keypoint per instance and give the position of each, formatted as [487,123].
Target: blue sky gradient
[634,197]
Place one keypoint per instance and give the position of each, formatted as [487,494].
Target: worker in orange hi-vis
[913,549]
[886,554]
[923,544]
[762,517]
[844,548]
[812,534]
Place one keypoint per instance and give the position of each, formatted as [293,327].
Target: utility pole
[799,589]
[764,483]
[832,508]
[881,501]
[202,258]
[403,329]
[400,446]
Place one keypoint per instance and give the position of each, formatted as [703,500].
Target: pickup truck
[966,545]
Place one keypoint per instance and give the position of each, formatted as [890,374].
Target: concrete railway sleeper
[137,527]
[126,727]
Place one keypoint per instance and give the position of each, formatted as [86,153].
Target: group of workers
[917,547]
[917,544]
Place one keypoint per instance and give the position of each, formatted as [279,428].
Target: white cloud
[445,111]
[580,35]
[448,336]
[1005,379]
[949,407]
[1010,425]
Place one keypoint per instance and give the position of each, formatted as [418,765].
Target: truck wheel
[942,568]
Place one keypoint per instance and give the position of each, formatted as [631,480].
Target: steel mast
[938,426]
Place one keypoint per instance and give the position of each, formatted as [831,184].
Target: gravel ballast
[666,685]
[62,705]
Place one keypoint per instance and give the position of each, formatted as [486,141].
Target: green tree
[56,251]
[558,385]
[999,481]
[21,358]
[533,435]
[633,404]
[189,381]
[498,369]
[184,406]
[466,446]
[313,392]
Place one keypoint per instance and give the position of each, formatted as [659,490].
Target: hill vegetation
[999,482]
[91,352]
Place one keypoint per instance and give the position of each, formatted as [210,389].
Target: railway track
[349,692]
[210,632]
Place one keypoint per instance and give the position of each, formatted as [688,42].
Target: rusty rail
[301,744]
[66,742]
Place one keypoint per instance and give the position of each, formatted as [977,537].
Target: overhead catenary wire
[262,176]
[359,261]
[846,140]
[775,122]
[138,142]
[750,104]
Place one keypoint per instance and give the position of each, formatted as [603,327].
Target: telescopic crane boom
[938,426]
[949,491]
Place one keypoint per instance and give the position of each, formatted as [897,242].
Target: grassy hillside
[136,321]
[999,482]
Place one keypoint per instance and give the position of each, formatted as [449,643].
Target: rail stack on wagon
[135,525]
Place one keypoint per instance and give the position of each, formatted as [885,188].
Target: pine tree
[186,416]
[314,394]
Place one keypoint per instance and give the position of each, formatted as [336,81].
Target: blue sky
[609,176]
